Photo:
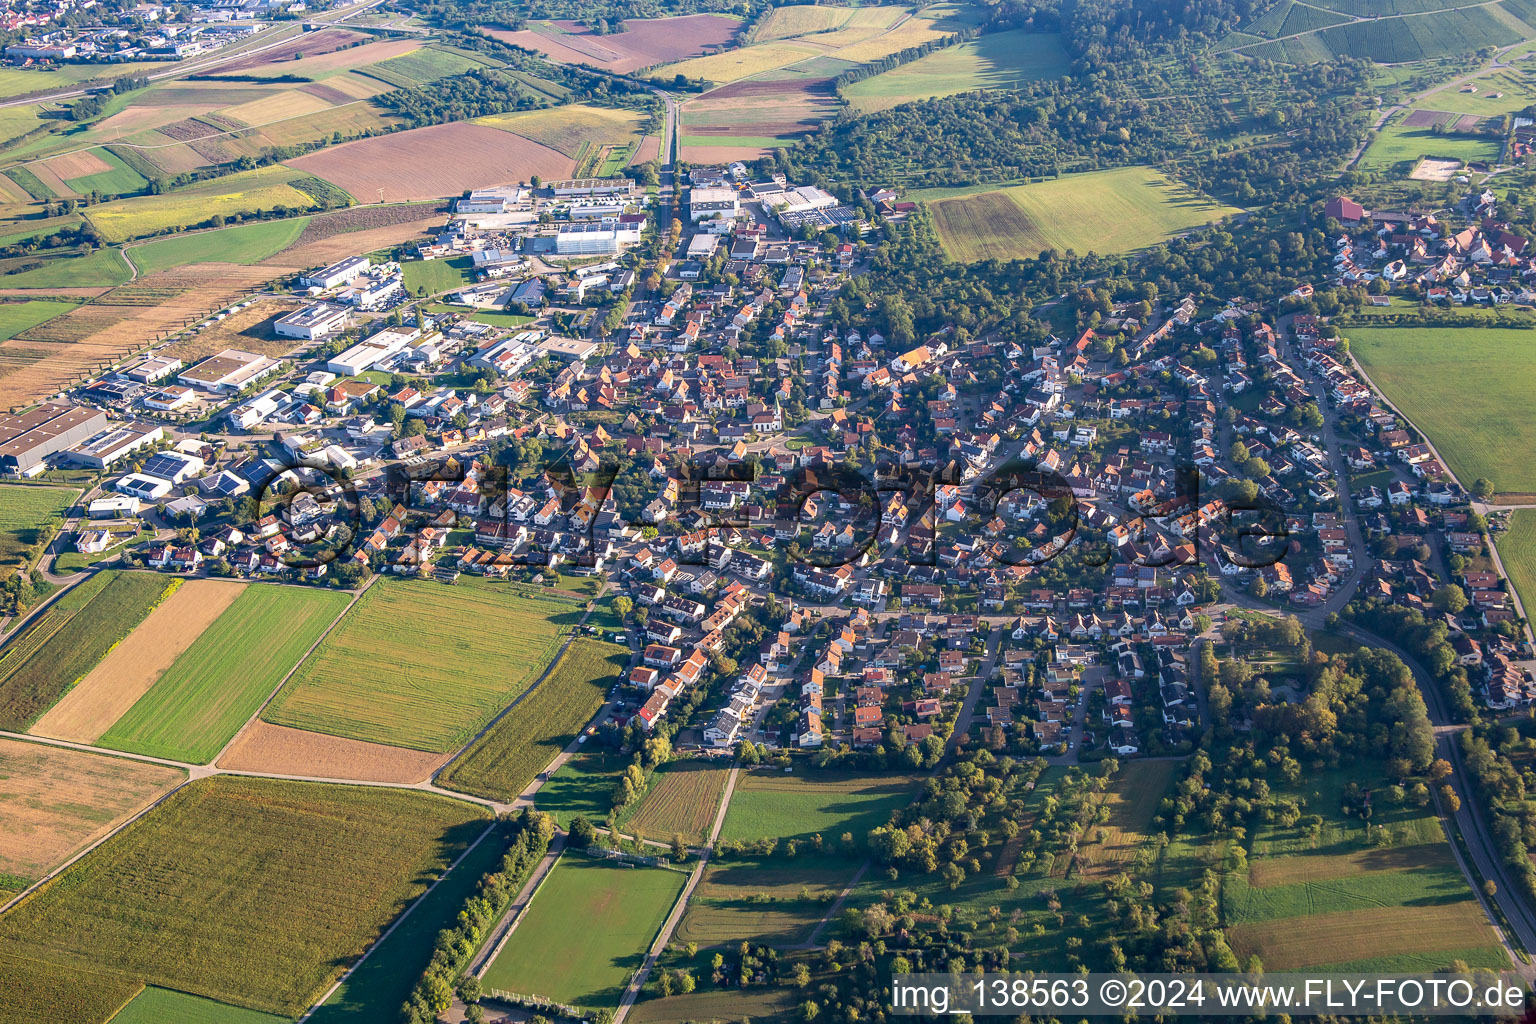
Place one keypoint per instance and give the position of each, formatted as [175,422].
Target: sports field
[1099,211]
[770,803]
[1465,387]
[248,891]
[54,801]
[422,665]
[1517,550]
[999,60]
[552,954]
[222,678]
[66,642]
[501,763]
[245,244]
[23,512]
[682,800]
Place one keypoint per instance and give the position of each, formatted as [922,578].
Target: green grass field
[162,1006]
[97,268]
[376,990]
[770,803]
[1100,211]
[764,899]
[1517,550]
[40,665]
[245,244]
[423,665]
[1392,33]
[210,691]
[16,317]
[252,892]
[622,906]
[503,761]
[1001,60]
[582,786]
[433,277]
[1466,389]
[120,180]
[1395,143]
[262,189]
[24,509]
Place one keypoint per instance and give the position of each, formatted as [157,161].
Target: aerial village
[628,396]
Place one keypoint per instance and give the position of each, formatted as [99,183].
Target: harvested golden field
[1265,872]
[264,747]
[321,65]
[428,163]
[55,801]
[289,103]
[78,165]
[250,330]
[569,129]
[133,666]
[52,180]
[1348,935]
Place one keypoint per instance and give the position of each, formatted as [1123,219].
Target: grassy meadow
[245,244]
[1462,386]
[23,511]
[585,966]
[999,60]
[770,803]
[215,686]
[422,665]
[252,892]
[1099,211]
[500,764]
[1517,550]
[16,317]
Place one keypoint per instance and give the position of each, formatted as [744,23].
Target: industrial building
[312,322]
[229,370]
[592,187]
[590,238]
[29,438]
[109,446]
[337,273]
[369,352]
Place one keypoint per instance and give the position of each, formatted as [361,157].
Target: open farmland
[1099,211]
[1390,34]
[411,165]
[716,1004]
[66,642]
[571,130]
[501,763]
[422,665]
[768,899]
[16,317]
[1461,385]
[97,267]
[277,749]
[772,804]
[276,886]
[163,1006]
[247,243]
[1403,938]
[682,800]
[133,666]
[585,967]
[24,509]
[230,196]
[219,681]
[376,990]
[32,992]
[644,41]
[769,110]
[55,801]
[1000,60]
[1517,550]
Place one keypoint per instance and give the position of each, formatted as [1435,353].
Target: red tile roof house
[1346,210]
